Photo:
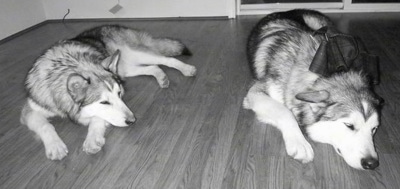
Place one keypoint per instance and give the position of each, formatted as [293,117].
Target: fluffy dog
[340,109]
[80,78]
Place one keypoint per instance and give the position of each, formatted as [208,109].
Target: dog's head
[99,94]
[346,116]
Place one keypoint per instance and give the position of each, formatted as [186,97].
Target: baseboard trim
[136,19]
[15,35]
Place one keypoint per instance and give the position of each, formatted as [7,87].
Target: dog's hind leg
[36,118]
[275,113]
[154,71]
[185,69]
[95,138]
[131,59]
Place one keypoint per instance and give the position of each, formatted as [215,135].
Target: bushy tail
[315,20]
[169,47]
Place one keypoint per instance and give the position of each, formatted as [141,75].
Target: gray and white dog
[80,78]
[340,110]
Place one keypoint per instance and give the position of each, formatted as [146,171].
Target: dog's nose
[369,163]
[130,121]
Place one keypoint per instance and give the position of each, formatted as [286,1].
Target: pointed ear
[77,86]
[313,96]
[111,62]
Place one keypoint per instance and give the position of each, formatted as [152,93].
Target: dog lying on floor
[339,109]
[80,78]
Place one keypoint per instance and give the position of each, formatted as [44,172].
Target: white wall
[56,9]
[17,15]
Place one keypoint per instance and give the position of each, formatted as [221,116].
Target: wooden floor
[195,134]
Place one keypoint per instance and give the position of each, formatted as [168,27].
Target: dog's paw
[189,71]
[56,150]
[299,149]
[163,82]
[93,145]
[246,103]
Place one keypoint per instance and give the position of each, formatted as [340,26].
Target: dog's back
[110,37]
[270,37]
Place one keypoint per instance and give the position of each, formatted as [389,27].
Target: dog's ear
[317,100]
[313,96]
[111,62]
[77,86]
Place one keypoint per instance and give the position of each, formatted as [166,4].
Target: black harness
[340,52]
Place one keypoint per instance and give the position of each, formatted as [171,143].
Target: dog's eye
[350,126]
[374,130]
[105,102]
[119,93]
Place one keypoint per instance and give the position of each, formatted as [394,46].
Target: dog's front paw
[56,150]
[299,149]
[246,103]
[189,71]
[163,82]
[93,145]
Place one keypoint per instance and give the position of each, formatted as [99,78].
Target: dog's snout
[130,121]
[369,163]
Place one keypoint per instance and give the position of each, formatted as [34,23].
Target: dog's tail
[169,47]
[314,19]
